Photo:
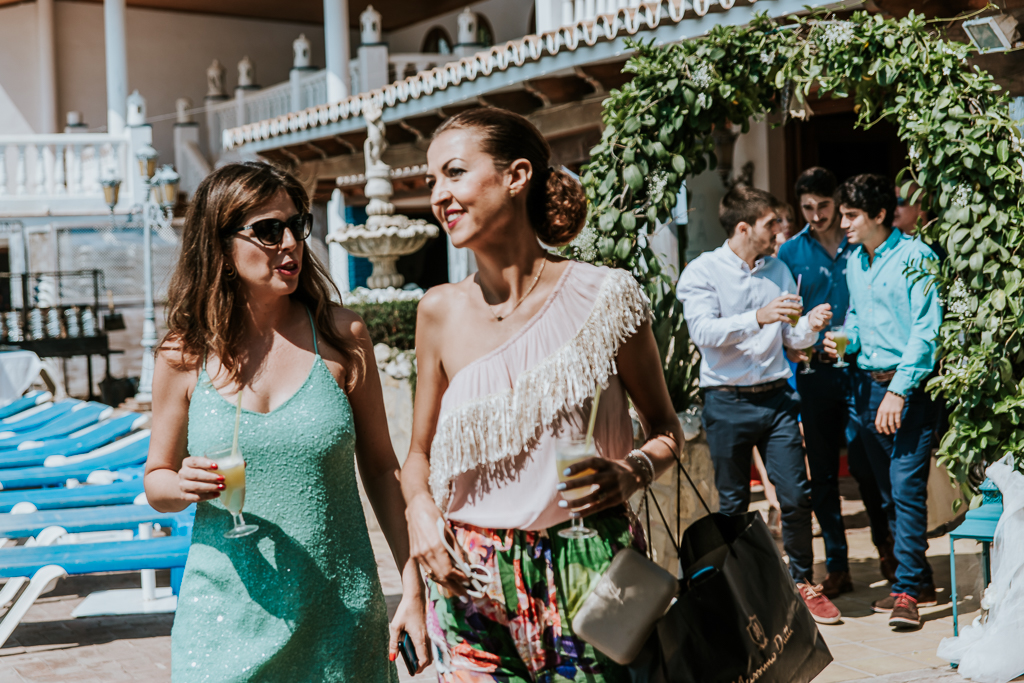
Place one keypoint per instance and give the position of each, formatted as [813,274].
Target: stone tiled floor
[51,647]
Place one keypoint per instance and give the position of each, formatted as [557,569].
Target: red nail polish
[221,480]
[220,486]
[393,656]
[213,466]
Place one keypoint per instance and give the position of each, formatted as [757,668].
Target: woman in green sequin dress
[249,312]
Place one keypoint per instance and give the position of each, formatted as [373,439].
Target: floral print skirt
[521,629]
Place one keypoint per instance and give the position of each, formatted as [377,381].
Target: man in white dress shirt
[740,304]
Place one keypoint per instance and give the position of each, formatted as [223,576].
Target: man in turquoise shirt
[818,255]
[893,323]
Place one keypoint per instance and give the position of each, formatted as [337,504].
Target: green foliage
[965,156]
[392,323]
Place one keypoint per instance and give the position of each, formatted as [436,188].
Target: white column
[47,67]
[117,64]
[336,253]
[336,48]
[548,14]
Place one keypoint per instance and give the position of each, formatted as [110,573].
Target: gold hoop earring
[230,273]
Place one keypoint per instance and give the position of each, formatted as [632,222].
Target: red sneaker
[822,609]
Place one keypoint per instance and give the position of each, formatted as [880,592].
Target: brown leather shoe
[904,612]
[835,584]
[926,598]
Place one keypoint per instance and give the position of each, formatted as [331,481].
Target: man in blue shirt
[893,323]
[818,255]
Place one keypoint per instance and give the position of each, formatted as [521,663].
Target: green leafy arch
[965,155]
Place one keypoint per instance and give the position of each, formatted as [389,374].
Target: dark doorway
[829,139]
[428,266]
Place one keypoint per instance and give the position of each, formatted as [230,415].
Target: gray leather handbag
[621,611]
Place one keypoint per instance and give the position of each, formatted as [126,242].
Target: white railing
[40,171]
[303,90]
[404,65]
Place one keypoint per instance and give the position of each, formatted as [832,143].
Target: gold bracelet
[645,464]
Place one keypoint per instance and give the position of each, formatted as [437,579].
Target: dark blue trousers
[827,409]
[737,422]
[901,463]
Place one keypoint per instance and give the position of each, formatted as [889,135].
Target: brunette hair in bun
[555,202]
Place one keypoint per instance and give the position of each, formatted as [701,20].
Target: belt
[883,376]
[755,389]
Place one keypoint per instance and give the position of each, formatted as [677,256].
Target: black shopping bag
[738,617]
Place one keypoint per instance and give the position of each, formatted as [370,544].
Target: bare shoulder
[440,300]
[350,325]
[175,368]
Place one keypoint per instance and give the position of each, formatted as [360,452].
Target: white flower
[362,295]
[585,244]
[657,182]
[958,295]
[703,101]
[945,71]
[702,75]
[962,195]
[913,152]
[381,354]
[767,57]
[835,34]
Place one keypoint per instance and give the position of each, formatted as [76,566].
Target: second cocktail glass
[567,453]
[841,339]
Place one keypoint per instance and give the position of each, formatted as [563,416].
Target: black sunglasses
[270,231]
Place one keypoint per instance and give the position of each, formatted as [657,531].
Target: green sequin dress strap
[312,324]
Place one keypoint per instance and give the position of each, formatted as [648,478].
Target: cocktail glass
[231,466]
[568,453]
[841,339]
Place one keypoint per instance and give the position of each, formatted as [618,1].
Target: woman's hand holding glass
[426,547]
[616,481]
[199,480]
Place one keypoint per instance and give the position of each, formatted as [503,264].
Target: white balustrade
[63,167]
[403,65]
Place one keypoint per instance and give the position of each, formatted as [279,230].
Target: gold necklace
[499,318]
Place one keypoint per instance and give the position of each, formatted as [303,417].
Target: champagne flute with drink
[841,339]
[569,452]
[231,466]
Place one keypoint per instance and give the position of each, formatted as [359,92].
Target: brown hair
[202,315]
[555,202]
[744,204]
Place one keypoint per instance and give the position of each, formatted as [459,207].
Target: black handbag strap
[675,541]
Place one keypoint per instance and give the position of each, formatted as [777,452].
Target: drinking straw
[238,423]
[798,279]
[593,416]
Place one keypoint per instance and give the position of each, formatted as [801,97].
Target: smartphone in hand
[408,652]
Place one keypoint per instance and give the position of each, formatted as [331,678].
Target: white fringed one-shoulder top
[492,459]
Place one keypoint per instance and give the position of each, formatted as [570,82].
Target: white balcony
[60,174]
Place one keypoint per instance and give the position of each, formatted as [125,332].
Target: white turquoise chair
[78,417]
[45,564]
[88,440]
[59,498]
[37,416]
[23,403]
[126,453]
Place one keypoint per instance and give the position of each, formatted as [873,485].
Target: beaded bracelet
[644,463]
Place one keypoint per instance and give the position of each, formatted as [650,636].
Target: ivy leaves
[966,167]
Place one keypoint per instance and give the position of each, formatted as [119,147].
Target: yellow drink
[567,456]
[841,341]
[233,471]
[794,319]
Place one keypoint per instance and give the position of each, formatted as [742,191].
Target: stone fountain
[386,236]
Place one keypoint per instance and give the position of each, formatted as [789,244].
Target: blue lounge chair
[46,564]
[132,454]
[34,418]
[34,453]
[79,417]
[29,400]
[89,520]
[118,493]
